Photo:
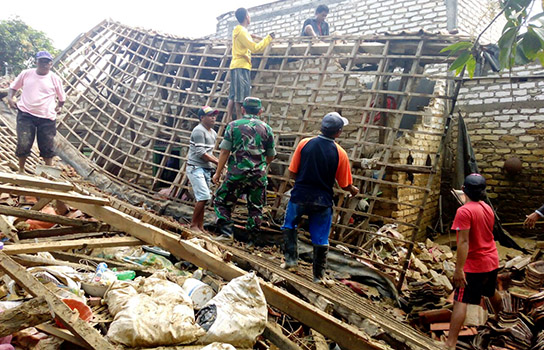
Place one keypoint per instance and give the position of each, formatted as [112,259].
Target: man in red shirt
[318,162]
[477,258]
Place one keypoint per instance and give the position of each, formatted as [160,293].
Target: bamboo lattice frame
[134,96]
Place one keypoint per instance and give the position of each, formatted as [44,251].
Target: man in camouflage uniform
[248,145]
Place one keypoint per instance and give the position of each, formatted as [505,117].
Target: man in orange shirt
[317,163]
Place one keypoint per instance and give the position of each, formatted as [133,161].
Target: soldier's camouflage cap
[252,102]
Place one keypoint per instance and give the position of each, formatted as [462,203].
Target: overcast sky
[64,20]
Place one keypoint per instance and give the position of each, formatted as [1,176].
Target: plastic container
[100,269]
[199,292]
[85,312]
[125,275]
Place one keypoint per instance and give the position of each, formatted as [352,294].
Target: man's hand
[58,109]
[531,220]
[12,103]
[459,279]
[216,177]
[272,35]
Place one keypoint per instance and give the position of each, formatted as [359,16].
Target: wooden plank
[540,244]
[29,248]
[62,334]
[64,196]
[28,314]
[31,181]
[41,203]
[61,231]
[83,331]
[8,229]
[38,215]
[273,333]
[347,336]
[80,258]
[65,238]
[32,260]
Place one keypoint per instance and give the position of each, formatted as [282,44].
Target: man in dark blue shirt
[317,26]
[318,162]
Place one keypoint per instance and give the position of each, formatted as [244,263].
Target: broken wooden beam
[28,314]
[8,229]
[38,215]
[347,336]
[32,181]
[273,333]
[63,196]
[32,260]
[62,231]
[79,328]
[119,265]
[29,248]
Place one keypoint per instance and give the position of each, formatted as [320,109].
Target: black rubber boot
[252,238]
[225,232]
[290,250]
[320,262]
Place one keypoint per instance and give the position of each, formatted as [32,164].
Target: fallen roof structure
[346,335]
[133,95]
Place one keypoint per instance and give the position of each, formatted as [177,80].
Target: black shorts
[478,285]
[28,127]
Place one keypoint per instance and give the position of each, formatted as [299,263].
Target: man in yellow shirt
[240,66]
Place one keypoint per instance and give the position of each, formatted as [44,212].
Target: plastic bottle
[100,269]
[198,274]
[126,275]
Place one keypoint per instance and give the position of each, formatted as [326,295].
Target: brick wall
[505,118]
[474,15]
[285,17]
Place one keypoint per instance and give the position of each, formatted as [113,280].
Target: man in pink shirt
[477,258]
[41,100]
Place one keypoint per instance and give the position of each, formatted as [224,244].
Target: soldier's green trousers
[234,186]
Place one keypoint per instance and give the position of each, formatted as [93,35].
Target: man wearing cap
[240,65]
[318,162]
[248,145]
[41,100]
[201,162]
[477,258]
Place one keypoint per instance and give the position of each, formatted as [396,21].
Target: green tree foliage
[516,46]
[19,44]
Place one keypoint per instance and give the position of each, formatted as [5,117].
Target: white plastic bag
[219,346]
[240,313]
[151,312]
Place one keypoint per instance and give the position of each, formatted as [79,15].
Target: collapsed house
[133,97]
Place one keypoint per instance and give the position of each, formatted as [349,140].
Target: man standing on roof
[477,258]
[41,100]
[248,145]
[201,162]
[316,164]
[240,66]
[317,26]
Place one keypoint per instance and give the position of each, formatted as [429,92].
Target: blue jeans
[200,180]
[320,219]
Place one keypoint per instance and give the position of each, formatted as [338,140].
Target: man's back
[478,218]
[250,141]
[318,162]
